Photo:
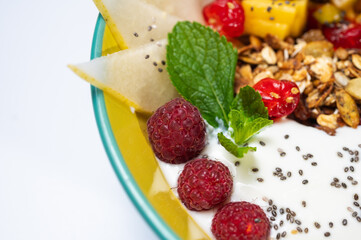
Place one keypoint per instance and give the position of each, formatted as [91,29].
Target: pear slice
[136,76]
[134,22]
[190,10]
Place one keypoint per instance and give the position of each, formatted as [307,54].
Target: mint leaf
[232,147]
[247,117]
[250,103]
[201,65]
[244,128]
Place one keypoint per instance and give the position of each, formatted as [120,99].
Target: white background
[55,179]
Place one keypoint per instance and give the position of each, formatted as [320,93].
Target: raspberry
[204,183]
[225,16]
[241,221]
[176,131]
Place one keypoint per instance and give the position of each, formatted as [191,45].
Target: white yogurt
[323,203]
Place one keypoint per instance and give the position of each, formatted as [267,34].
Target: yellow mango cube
[261,28]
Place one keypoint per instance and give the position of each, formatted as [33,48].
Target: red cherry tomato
[281,97]
[343,35]
[225,16]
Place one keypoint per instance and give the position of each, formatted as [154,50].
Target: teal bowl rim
[115,157]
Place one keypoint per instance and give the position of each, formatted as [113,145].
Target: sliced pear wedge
[136,76]
[134,22]
[190,10]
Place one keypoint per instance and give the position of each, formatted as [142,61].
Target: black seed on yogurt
[270,202]
[358,219]
[354,183]
[160,70]
[254,169]
[257,220]
[260,179]
[305,181]
[349,178]
[289,174]
[355,196]
[298,148]
[317,225]
[146,56]
[262,143]
[282,211]
[163,62]
[282,154]
[300,172]
[298,222]
[136,34]
[336,180]
[304,203]
[339,154]
[237,163]
[330,224]
[354,214]
[155,64]
[284,233]
[352,169]
[344,222]
[356,204]
[287,136]
[327,234]
[299,229]
[314,164]
[306,230]
[344,185]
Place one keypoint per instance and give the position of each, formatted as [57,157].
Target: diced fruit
[176,131]
[281,97]
[241,221]
[328,13]
[343,4]
[225,16]
[131,75]
[131,29]
[300,19]
[281,18]
[204,183]
[265,27]
[344,35]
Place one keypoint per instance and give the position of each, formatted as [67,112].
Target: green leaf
[250,103]
[201,65]
[244,128]
[231,147]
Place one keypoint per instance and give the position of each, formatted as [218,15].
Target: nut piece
[356,60]
[329,121]
[262,75]
[347,108]
[269,55]
[319,49]
[323,69]
[341,79]
[255,42]
[341,53]
[354,88]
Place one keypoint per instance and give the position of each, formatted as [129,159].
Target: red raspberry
[204,183]
[281,97]
[240,221]
[176,131]
[225,16]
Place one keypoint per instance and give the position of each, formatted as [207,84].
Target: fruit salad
[254,109]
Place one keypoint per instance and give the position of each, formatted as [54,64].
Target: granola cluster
[330,80]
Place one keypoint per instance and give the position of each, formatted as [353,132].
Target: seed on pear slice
[136,76]
[190,10]
[134,22]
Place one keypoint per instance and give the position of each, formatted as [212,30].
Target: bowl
[123,134]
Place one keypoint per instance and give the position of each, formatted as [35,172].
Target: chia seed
[356,204]
[355,196]
[283,178]
[305,181]
[254,169]
[349,178]
[278,169]
[336,180]
[155,64]
[298,148]
[260,179]
[354,214]
[136,34]
[330,224]
[146,56]
[160,70]
[358,219]
[262,143]
[344,222]
[282,211]
[274,213]
[344,185]
[163,62]
[237,163]
[306,230]
[298,222]
[354,183]
[304,203]
[282,154]
[300,172]
[299,229]
[305,157]
[270,202]
[271,18]
[314,163]
[352,169]
[269,9]
[346,169]
[152,40]
[317,225]
[150,28]
[327,234]
[339,154]
[289,174]
[287,136]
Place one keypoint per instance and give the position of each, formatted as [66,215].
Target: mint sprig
[201,65]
